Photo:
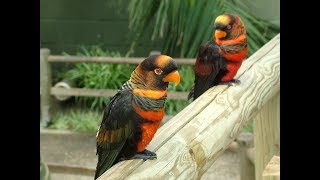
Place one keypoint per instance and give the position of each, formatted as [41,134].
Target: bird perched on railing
[219,59]
[134,114]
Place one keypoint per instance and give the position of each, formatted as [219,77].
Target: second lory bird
[134,114]
[220,58]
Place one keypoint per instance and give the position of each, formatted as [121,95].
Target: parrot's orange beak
[220,34]
[172,77]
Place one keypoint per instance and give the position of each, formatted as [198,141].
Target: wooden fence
[46,89]
[191,141]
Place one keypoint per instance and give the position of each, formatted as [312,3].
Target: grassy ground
[77,120]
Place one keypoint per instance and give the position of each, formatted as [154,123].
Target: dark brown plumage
[134,114]
[220,58]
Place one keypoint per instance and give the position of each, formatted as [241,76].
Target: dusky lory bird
[219,59]
[135,112]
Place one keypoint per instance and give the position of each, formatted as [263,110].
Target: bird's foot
[145,154]
[233,82]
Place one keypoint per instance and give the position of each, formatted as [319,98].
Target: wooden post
[45,86]
[250,154]
[245,141]
[272,170]
[267,134]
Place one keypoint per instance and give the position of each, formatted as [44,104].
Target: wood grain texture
[245,141]
[189,143]
[105,92]
[266,126]
[45,86]
[250,154]
[272,170]
[116,60]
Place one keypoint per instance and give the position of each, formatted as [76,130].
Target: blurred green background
[65,25]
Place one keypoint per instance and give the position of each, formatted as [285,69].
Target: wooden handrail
[191,141]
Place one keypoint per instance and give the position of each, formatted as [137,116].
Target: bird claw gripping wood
[145,155]
[233,82]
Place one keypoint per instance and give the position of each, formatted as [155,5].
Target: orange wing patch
[113,136]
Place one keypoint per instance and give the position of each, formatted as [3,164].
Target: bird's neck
[238,40]
[234,49]
[138,79]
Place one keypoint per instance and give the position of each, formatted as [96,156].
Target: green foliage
[44,170]
[186,24]
[172,107]
[249,127]
[187,79]
[83,121]
[98,76]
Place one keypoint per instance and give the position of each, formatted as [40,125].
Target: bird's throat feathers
[137,78]
[237,40]
[235,49]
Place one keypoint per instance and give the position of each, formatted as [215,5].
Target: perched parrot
[219,59]
[134,114]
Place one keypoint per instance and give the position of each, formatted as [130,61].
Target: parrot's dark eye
[158,71]
[229,26]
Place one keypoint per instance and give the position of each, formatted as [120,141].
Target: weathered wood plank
[68,169]
[266,126]
[104,92]
[188,144]
[250,154]
[272,170]
[45,86]
[245,141]
[117,60]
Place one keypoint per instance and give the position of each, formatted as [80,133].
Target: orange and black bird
[135,112]
[219,59]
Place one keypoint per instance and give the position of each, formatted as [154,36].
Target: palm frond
[186,24]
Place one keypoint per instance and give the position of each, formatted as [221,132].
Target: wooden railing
[191,141]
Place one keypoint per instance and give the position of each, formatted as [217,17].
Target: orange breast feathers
[148,131]
[149,128]
[236,57]
[232,68]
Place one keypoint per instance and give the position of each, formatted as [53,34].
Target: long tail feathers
[191,94]
[105,161]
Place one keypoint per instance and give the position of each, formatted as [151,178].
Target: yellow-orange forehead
[223,19]
[163,60]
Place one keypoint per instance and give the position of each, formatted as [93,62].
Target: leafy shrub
[76,120]
[98,76]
